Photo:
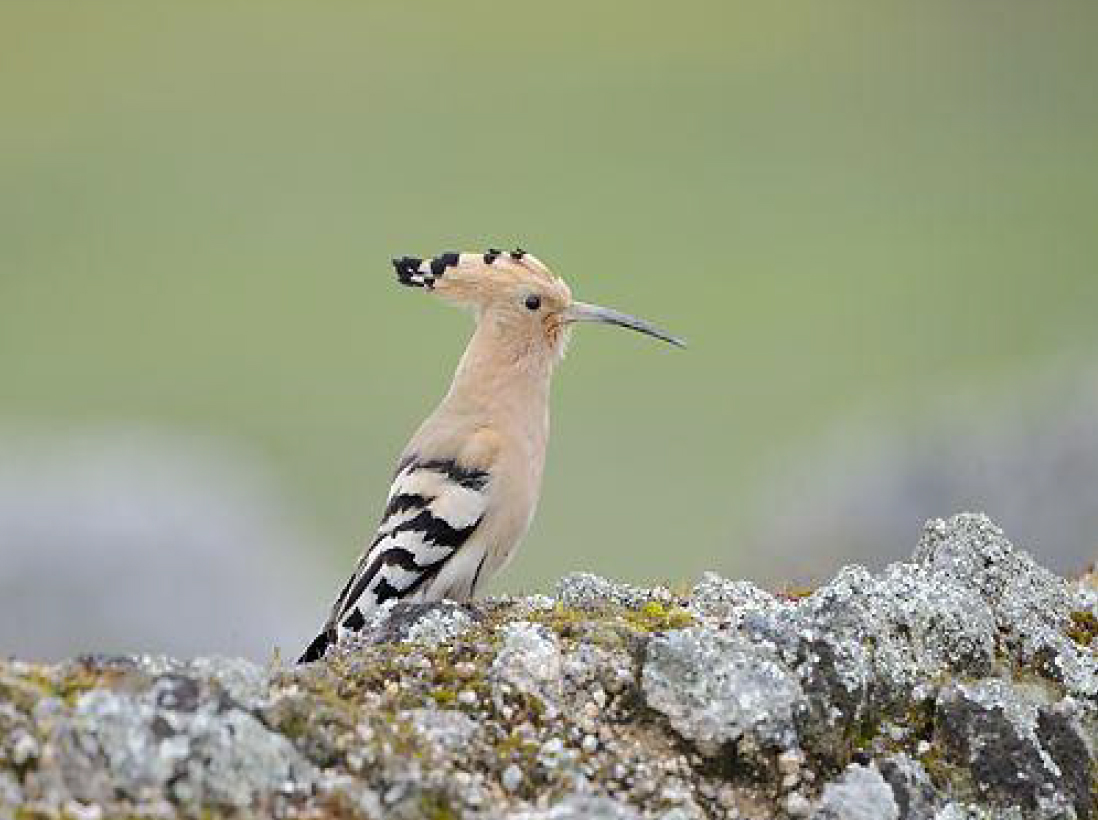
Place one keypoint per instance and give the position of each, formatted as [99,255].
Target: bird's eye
[533,302]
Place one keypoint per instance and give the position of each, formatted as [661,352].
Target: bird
[467,484]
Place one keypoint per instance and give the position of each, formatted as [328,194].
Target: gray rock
[860,794]
[595,670]
[242,680]
[167,741]
[429,625]
[1019,751]
[1030,605]
[530,661]
[716,689]
[957,685]
[915,795]
[1069,735]
[439,624]
[511,778]
[719,601]
[583,590]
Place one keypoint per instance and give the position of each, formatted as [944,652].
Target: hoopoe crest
[467,484]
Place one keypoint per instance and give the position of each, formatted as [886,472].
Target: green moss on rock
[1083,628]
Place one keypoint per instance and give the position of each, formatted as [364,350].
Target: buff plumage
[467,484]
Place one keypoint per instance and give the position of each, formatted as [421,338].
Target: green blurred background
[851,212]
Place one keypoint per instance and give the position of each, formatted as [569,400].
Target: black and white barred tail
[434,508]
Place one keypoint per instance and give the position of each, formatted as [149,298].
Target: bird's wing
[434,507]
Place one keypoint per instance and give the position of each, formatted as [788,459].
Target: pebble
[511,778]
[590,744]
[789,762]
[797,805]
[467,697]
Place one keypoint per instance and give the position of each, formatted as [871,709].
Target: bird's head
[515,294]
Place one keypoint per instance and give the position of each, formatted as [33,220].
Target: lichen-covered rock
[860,794]
[585,591]
[530,660]
[176,738]
[720,600]
[426,624]
[1018,749]
[960,686]
[1031,606]
[717,690]
[914,793]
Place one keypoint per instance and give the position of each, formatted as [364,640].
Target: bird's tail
[318,647]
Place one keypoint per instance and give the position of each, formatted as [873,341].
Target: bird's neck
[500,380]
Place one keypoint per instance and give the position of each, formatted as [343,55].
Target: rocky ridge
[963,684]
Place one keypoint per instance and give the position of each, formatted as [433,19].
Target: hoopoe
[467,484]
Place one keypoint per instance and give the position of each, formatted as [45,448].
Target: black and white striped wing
[434,507]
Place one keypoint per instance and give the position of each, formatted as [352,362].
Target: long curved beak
[583,312]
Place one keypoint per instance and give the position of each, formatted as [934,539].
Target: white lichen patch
[860,794]
[529,659]
[439,626]
[715,690]
[586,591]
